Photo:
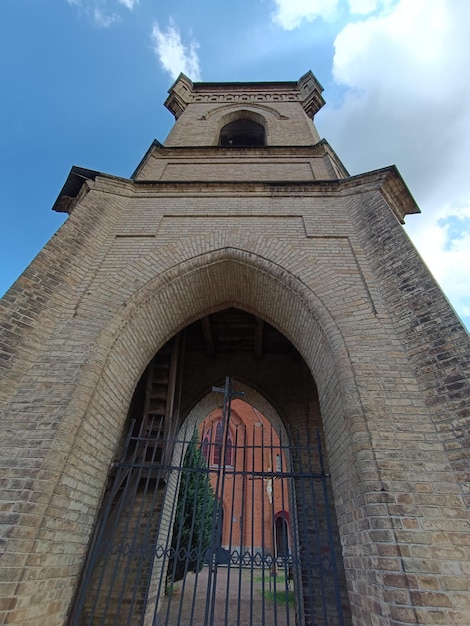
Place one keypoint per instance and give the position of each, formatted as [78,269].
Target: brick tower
[240,247]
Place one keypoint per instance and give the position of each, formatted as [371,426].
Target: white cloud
[173,55]
[100,12]
[365,7]
[407,101]
[130,4]
[444,244]
[291,13]
[103,19]
[406,98]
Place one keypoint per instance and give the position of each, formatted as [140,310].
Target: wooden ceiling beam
[208,335]
[259,331]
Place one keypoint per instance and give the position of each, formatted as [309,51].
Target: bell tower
[273,116]
[239,258]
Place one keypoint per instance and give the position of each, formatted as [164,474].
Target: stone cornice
[321,148]
[386,180]
[307,90]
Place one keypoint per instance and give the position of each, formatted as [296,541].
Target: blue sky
[83,83]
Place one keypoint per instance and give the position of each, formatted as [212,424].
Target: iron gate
[226,524]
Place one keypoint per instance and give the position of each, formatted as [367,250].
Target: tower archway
[241,342]
[141,545]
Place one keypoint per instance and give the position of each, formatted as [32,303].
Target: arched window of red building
[219,431]
[213,444]
[229,450]
[205,448]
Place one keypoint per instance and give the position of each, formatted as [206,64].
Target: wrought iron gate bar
[247,542]
[229,472]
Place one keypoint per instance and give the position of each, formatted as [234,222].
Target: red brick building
[247,461]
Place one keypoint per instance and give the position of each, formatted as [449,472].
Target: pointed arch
[204,284]
[227,277]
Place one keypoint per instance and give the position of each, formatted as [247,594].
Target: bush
[194,520]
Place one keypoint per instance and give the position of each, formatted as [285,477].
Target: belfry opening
[242,133]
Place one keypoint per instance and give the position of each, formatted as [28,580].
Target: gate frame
[207,405]
[149,324]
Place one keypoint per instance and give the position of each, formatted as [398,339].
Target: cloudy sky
[83,83]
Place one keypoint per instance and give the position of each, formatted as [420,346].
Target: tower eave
[398,196]
[393,188]
[71,189]
[73,186]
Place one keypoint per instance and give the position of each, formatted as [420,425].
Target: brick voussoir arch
[230,110]
[168,303]
[233,277]
[213,281]
[162,290]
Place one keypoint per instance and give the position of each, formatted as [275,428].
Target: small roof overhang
[72,186]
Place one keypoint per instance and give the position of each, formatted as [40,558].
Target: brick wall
[286,123]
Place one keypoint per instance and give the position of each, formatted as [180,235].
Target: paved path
[244,607]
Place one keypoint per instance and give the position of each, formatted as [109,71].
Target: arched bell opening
[242,133]
[126,574]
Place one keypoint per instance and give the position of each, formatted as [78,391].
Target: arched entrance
[127,576]
[282,534]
